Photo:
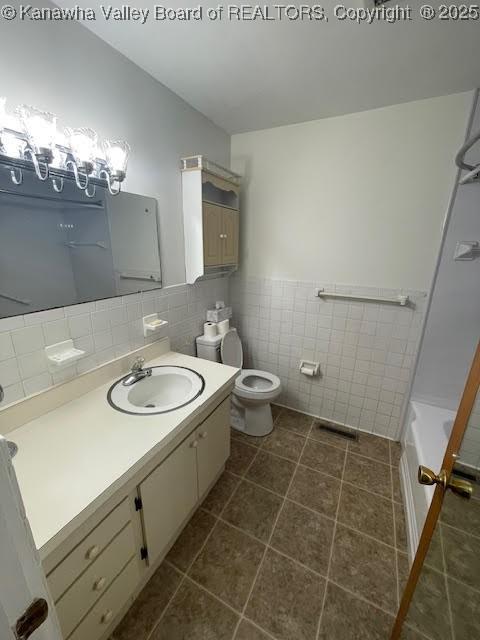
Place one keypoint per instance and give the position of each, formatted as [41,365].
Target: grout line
[447,592]
[187,570]
[319,624]
[267,546]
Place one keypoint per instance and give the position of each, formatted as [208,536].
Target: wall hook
[38,166]
[58,186]
[77,175]
[90,194]
[16,175]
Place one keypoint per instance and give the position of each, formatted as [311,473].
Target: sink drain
[149,406]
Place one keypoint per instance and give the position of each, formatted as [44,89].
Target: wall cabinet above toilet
[210,218]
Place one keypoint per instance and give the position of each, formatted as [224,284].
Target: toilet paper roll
[223,326]
[210,329]
[307,371]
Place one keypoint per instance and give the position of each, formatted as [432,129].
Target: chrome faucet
[137,373]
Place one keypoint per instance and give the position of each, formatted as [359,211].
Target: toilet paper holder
[309,368]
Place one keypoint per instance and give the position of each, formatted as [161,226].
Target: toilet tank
[209,348]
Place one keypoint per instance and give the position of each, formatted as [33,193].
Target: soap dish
[63,354]
[153,324]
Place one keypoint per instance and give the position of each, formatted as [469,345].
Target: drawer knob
[107,616]
[99,584]
[194,444]
[92,552]
[204,434]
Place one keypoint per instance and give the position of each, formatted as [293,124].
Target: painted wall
[64,68]
[358,199]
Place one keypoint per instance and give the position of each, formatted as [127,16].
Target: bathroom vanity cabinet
[101,568]
[211,216]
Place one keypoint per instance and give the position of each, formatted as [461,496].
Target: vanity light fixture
[32,138]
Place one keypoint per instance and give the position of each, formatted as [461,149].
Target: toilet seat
[253,383]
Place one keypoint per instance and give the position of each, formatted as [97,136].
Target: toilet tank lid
[231,350]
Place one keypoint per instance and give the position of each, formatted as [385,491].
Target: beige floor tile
[253,509]
[193,614]
[294,421]
[304,536]
[271,472]
[241,455]
[395,453]
[228,564]
[346,617]
[145,612]
[366,512]
[323,457]
[428,613]
[286,599]
[316,491]
[284,443]
[401,541]
[248,631]
[364,566]
[371,446]
[221,492]
[191,540]
[462,556]
[465,603]
[328,437]
[368,474]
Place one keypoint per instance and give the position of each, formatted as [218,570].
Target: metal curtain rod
[400,300]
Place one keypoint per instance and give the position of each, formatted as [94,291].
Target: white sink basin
[166,389]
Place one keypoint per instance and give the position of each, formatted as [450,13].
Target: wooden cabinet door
[229,236]
[213,448]
[168,495]
[212,232]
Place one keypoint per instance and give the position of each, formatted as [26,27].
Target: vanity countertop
[72,459]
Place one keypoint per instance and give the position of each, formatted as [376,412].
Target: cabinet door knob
[92,552]
[204,434]
[107,616]
[99,584]
[194,444]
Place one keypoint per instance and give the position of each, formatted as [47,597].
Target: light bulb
[12,146]
[116,155]
[83,143]
[40,127]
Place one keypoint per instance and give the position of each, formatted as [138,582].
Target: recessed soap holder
[63,354]
[309,368]
[153,324]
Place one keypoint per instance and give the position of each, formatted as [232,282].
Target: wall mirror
[58,249]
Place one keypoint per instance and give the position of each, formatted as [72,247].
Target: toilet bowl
[254,389]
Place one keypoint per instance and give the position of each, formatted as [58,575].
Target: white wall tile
[28,339]
[6,347]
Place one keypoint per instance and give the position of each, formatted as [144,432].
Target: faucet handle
[138,364]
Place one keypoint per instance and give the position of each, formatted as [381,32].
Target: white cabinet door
[168,495]
[213,445]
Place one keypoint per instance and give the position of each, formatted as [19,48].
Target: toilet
[254,390]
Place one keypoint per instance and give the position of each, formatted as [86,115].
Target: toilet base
[253,420]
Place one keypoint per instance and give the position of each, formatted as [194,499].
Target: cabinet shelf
[210,217]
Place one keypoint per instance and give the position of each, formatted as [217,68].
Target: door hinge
[34,617]
[144,553]
[138,504]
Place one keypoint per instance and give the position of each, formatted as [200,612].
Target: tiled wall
[470,450]
[104,329]
[366,350]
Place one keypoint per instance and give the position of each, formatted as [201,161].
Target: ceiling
[247,75]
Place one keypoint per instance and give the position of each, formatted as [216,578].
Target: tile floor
[302,538]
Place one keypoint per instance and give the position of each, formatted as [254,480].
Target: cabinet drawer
[90,548]
[98,620]
[75,603]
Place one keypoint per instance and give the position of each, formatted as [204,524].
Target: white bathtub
[426,438]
